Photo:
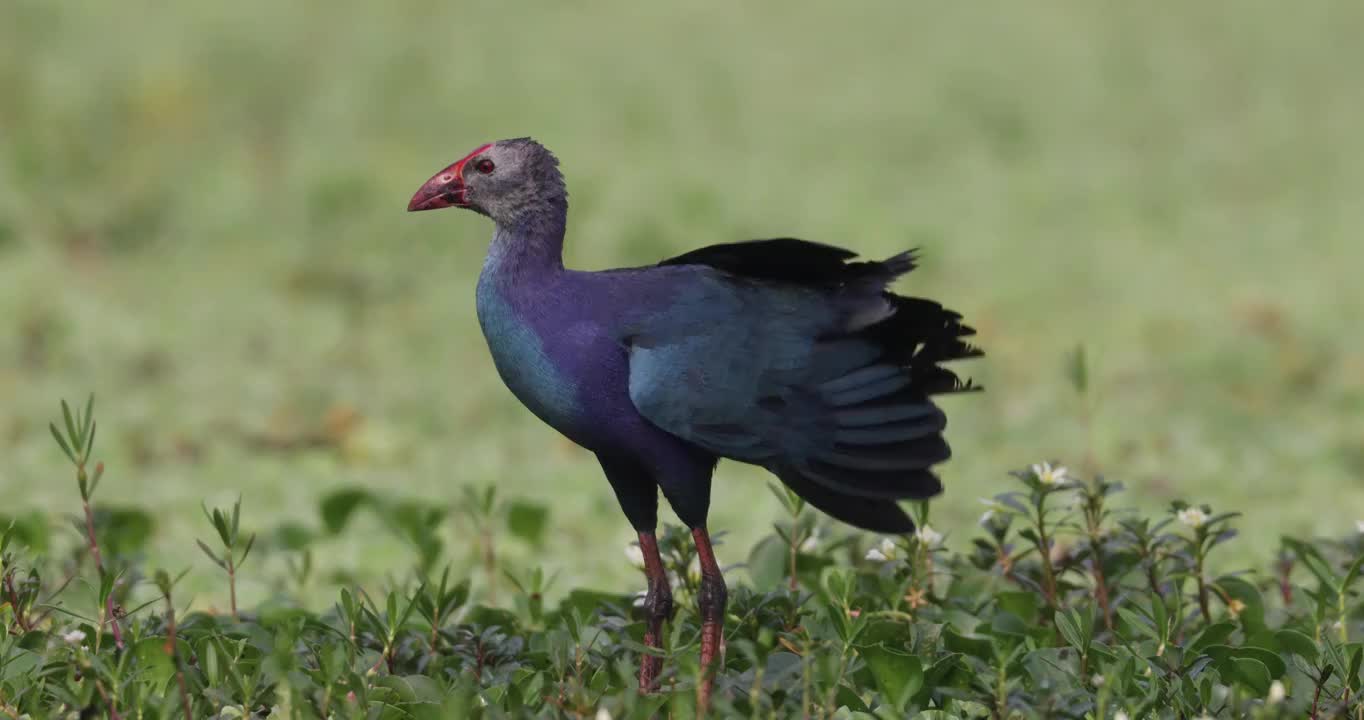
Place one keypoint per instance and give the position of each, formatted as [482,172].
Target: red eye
[484,165]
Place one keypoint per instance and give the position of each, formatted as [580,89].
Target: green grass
[201,220]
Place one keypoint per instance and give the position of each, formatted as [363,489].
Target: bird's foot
[712,597]
[658,608]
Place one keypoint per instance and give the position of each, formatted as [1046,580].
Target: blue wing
[785,354]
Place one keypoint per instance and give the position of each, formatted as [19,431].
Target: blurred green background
[202,221]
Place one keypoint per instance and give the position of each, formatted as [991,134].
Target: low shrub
[1064,607]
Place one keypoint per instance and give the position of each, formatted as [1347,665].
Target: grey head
[511,181]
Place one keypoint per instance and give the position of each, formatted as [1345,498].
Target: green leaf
[1352,678]
[1139,623]
[290,536]
[1315,562]
[123,531]
[76,440]
[1078,369]
[1160,615]
[1298,643]
[1224,656]
[527,520]
[769,562]
[1253,674]
[94,480]
[1212,635]
[400,687]
[973,646]
[29,529]
[886,631]
[337,507]
[1351,574]
[1074,629]
[211,556]
[88,425]
[250,541]
[1252,615]
[1009,625]
[151,657]
[1022,604]
[347,604]
[56,435]
[1271,660]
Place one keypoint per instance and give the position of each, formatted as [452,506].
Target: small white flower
[884,552]
[1057,476]
[1276,693]
[1097,681]
[928,536]
[1120,715]
[74,637]
[602,714]
[635,555]
[809,544]
[992,510]
[639,598]
[1359,526]
[1193,517]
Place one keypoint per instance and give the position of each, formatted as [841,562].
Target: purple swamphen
[781,353]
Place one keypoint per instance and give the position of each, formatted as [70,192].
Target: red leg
[658,606]
[712,599]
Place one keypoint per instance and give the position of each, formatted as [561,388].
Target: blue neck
[531,245]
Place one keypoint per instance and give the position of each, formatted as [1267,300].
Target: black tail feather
[878,484]
[876,515]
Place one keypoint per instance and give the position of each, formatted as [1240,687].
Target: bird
[784,353]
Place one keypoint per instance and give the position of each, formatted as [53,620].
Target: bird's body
[781,353]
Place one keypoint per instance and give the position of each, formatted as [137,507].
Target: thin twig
[99,563]
[1101,592]
[19,618]
[1202,588]
[174,650]
[108,702]
[232,583]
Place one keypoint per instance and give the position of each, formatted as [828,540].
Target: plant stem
[489,560]
[99,565]
[1044,548]
[833,689]
[795,547]
[174,650]
[1343,615]
[14,603]
[1285,588]
[1202,585]
[108,702]
[1151,579]
[1001,694]
[1100,582]
[232,583]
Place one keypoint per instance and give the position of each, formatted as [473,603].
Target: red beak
[445,188]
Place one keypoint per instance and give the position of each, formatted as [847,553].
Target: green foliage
[1066,608]
[201,209]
